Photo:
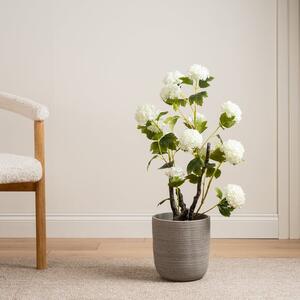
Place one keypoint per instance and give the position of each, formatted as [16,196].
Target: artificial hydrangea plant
[208,151]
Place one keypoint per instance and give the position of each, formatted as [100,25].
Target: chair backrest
[32,110]
[23,106]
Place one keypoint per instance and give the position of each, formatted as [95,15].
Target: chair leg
[41,256]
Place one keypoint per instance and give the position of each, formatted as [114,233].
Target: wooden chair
[27,174]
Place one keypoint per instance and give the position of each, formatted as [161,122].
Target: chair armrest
[23,106]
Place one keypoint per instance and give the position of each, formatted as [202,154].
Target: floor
[230,248]
[123,269]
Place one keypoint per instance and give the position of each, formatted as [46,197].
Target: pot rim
[155,217]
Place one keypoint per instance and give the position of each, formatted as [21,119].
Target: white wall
[92,62]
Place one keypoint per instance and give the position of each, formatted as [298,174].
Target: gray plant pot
[181,248]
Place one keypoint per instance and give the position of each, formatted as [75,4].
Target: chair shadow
[19,266]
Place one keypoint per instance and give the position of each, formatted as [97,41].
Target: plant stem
[195,106]
[156,124]
[211,179]
[211,208]
[159,148]
[185,118]
[197,196]
[169,152]
[203,188]
[213,134]
[195,84]
[173,202]
[191,107]
[169,155]
[208,186]
[184,211]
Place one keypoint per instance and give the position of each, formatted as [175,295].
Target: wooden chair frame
[39,189]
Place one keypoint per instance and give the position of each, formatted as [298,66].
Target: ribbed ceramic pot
[181,248]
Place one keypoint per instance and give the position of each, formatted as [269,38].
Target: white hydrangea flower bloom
[233,150]
[173,78]
[198,72]
[235,195]
[146,112]
[231,109]
[175,172]
[199,117]
[190,139]
[160,126]
[171,91]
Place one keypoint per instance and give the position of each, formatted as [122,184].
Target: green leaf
[169,141]
[176,103]
[219,193]
[200,126]
[153,135]
[150,134]
[198,98]
[226,121]
[224,211]
[163,201]
[217,173]
[211,171]
[161,114]
[186,80]
[167,165]
[176,181]
[192,178]
[187,125]
[195,166]
[155,149]
[203,83]
[224,208]
[150,161]
[171,121]
[217,155]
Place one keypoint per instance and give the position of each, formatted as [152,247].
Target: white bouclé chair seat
[17,168]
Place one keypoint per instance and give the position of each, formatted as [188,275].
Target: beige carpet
[76,277]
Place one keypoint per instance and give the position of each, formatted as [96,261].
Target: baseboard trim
[132,225]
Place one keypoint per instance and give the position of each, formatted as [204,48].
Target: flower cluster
[198,72]
[234,195]
[190,139]
[145,113]
[175,172]
[171,91]
[173,78]
[233,150]
[232,110]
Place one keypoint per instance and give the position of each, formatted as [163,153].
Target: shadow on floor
[134,272]
[125,269]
